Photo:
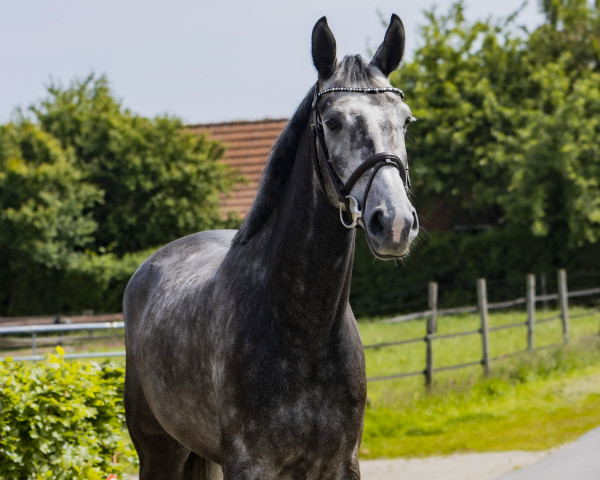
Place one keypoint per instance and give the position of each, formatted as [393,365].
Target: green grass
[465,349]
[532,401]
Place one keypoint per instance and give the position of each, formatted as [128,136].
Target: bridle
[376,161]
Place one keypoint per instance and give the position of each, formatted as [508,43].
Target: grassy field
[532,401]
[458,350]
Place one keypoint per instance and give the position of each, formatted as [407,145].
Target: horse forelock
[354,71]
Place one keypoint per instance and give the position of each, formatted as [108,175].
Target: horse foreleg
[250,471]
[198,468]
[161,456]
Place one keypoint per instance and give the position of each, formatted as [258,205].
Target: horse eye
[333,125]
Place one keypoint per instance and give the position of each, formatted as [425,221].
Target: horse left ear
[390,52]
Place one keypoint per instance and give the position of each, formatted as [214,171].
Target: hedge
[455,260]
[63,420]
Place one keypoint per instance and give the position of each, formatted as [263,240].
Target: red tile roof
[248,146]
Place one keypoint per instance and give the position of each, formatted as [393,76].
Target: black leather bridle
[376,161]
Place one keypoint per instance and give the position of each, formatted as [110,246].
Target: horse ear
[323,49]
[390,52]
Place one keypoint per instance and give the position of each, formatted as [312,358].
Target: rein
[376,161]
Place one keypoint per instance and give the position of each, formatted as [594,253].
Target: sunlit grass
[532,401]
[465,349]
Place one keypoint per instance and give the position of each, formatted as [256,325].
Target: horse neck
[307,255]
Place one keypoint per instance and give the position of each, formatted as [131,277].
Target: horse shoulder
[173,271]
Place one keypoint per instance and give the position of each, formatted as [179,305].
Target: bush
[62,420]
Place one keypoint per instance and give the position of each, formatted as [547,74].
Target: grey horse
[244,360]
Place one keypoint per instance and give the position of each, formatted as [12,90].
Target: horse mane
[277,172]
[351,71]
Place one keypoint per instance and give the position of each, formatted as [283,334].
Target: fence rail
[491,306]
[60,319]
[33,330]
[482,308]
[431,315]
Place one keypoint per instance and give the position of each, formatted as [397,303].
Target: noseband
[376,161]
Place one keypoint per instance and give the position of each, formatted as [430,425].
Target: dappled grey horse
[244,360]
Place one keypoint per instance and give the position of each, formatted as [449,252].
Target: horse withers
[244,360]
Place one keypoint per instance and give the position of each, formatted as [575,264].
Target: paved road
[467,466]
[579,460]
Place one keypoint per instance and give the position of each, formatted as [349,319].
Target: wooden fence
[483,307]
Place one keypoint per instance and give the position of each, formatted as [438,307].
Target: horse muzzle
[390,231]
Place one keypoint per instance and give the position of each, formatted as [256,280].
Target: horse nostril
[415,225]
[376,227]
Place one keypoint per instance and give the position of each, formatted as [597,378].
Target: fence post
[563,299]
[431,329]
[530,302]
[544,289]
[482,306]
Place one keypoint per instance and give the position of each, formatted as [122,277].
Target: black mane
[276,172]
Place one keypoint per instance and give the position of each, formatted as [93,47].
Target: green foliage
[43,197]
[88,190]
[462,85]
[158,181]
[62,420]
[508,122]
[44,219]
[554,156]
[99,281]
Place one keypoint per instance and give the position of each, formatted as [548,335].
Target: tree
[158,182]
[88,190]
[554,187]
[462,85]
[508,121]
[43,214]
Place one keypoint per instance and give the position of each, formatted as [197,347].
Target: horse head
[360,123]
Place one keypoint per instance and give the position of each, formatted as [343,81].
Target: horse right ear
[323,49]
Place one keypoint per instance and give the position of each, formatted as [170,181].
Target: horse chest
[294,410]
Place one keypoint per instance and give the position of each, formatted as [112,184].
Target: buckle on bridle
[354,211]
